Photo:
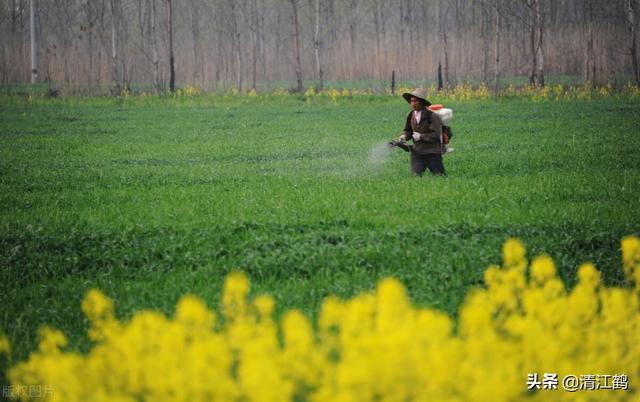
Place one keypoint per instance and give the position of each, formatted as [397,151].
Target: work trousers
[420,163]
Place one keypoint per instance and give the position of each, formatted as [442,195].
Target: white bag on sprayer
[445,117]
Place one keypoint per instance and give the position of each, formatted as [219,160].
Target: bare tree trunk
[172,70]
[123,46]
[589,60]
[443,36]
[536,19]
[539,44]
[496,74]
[64,23]
[195,36]
[237,46]
[485,41]
[393,82]
[142,19]
[402,26]
[263,40]
[114,56]
[532,42]
[353,29]
[253,26]
[154,48]
[446,57]
[14,16]
[102,50]
[316,45]
[91,22]
[239,62]
[376,25]
[633,51]
[296,38]
[21,47]
[277,27]
[34,43]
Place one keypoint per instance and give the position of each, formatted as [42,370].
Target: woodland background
[266,44]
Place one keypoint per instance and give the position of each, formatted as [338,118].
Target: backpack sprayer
[445,117]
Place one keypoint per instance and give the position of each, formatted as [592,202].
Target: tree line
[264,44]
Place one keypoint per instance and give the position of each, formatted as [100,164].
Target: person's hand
[402,138]
[416,136]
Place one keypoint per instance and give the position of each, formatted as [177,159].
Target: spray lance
[402,144]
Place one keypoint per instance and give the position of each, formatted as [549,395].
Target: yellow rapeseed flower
[5,346]
[192,311]
[588,275]
[236,288]
[542,269]
[513,254]
[376,346]
[96,306]
[51,340]
[264,305]
[631,258]
[311,91]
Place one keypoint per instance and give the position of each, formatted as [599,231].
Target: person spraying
[424,127]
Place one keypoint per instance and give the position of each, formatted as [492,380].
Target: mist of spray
[379,154]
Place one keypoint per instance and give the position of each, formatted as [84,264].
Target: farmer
[424,128]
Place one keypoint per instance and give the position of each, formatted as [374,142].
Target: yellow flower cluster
[280,92]
[461,92]
[631,90]
[631,258]
[374,347]
[560,92]
[335,94]
[464,92]
[5,346]
[188,92]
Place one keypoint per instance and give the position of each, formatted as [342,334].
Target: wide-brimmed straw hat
[418,93]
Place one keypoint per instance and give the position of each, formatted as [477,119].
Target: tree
[114,56]
[536,77]
[316,44]
[92,10]
[496,74]
[34,43]
[235,25]
[254,27]
[230,42]
[155,60]
[194,22]
[296,45]
[633,49]
[172,70]
[442,21]
[589,73]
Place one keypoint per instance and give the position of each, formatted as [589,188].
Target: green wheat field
[150,198]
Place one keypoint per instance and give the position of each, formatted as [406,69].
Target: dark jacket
[430,128]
